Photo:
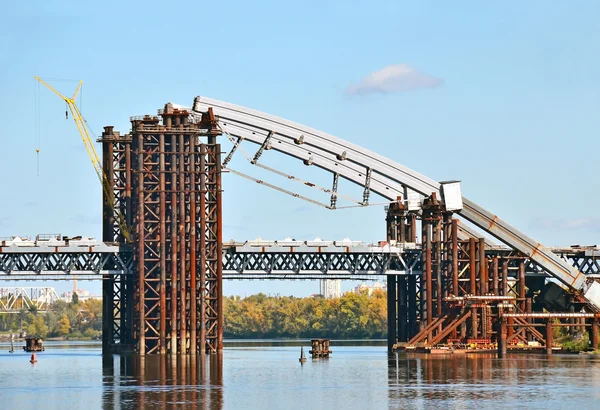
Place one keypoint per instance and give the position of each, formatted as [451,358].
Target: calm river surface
[261,375]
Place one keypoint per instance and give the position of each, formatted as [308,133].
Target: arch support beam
[386,177]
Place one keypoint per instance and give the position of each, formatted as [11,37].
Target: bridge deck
[253,260]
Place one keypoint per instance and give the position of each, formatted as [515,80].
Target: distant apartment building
[370,288]
[331,288]
[82,295]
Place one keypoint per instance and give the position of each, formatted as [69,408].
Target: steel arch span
[375,173]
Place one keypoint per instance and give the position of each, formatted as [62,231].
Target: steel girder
[338,265]
[374,172]
[71,263]
[33,264]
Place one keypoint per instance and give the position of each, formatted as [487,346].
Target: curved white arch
[388,178]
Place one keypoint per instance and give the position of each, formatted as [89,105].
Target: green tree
[63,326]
[75,298]
[37,326]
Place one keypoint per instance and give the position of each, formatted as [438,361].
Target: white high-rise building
[331,288]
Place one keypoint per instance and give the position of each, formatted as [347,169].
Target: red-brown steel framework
[469,296]
[167,184]
[167,187]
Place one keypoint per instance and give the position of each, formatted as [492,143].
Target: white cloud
[393,79]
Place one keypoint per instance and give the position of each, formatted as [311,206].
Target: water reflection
[252,376]
[162,382]
[482,380]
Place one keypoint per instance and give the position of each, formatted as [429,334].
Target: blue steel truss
[36,263]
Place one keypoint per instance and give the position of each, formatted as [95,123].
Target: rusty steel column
[163,246]
[220,320]
[528,308]
[391,311]
[437,240]
[504,277]
[202,252]
[446,254]
[390,224]
[401,231]
[521,286]
[182,246]
[193,249]
[483,276]
[495,289]
[214,257]
[411,231]
[116,194]
[474,323]
[473,284]
[549,337]
[413,308]
[426,282]
[140,327]
[127,288]
[402,308]
[174,243]
[455,288]
[502,338]
[108,225]
[150,242]
[594,335]
[472,267]
[178,247]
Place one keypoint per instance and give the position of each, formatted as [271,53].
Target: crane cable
[36,130]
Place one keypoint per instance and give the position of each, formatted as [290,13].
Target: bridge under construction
[162,259]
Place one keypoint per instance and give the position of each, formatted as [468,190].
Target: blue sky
[502,96]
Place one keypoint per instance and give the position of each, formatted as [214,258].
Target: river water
[261,375]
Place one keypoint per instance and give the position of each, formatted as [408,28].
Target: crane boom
[81,126]
[86,137]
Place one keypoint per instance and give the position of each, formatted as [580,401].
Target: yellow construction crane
[91,150]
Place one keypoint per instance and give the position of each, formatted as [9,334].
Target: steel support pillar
[502,339]
[403,321]
[549,337]
[594,335]
[391,311]
[213,254]
[108,226]
[116,203]
[177,215]
[413,306]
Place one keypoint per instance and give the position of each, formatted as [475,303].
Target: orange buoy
[33,358]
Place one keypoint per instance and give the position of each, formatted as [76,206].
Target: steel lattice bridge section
[245,262]
[162,283]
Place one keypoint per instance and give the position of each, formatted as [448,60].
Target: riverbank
[5,337]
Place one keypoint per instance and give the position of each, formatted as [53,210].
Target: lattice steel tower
[167,185]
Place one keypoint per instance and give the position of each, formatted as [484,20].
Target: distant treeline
[63,319]
[257,316]
[350,316]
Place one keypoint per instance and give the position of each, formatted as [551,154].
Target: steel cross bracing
[374,172]
[116,208]
[70,260]
[253,262]
[14,299]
